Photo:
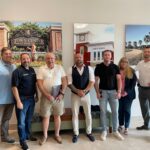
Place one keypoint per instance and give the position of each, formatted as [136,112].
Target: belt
[77,94]
[27,96]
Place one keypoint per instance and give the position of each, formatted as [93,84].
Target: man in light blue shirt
[6,96]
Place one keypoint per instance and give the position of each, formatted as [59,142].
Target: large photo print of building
[137,38]
[92,39]
[35,38]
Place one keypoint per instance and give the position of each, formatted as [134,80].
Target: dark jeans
[124,111]
[24,117]
[144,98]
[7,113]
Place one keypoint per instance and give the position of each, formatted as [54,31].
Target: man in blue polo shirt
[6,97]
[24,89]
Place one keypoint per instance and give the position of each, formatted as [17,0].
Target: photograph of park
[35,38]
[137,37]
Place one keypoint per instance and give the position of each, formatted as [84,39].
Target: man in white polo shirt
[52,83]
[143,67]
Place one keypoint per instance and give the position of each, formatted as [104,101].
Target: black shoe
[143,127]
[91,137]
[32,138]
[24,145]
[75,138]
[8,140]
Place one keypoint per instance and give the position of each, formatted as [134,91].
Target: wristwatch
[85,91]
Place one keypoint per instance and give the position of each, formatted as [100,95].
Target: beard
[25,64]
[7,60]
[79,63]
[146,57]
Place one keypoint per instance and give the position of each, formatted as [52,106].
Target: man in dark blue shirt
[24,89]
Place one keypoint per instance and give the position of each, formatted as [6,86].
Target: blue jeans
[24,117]
[108,96]
[124,111]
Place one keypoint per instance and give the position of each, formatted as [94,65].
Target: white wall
[118,12]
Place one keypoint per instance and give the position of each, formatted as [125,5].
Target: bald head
[49,55]
[50,59]
[79,59]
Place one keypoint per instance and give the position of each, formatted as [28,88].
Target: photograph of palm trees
[35,38]
[137,38]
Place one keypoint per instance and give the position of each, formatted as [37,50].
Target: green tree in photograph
[9,24]
[130,45]
[135,44]
[126,44]
[27,28]
[140,44]
[147,39]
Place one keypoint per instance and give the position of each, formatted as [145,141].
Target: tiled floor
[136,140]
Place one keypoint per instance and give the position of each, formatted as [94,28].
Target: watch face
[81,38]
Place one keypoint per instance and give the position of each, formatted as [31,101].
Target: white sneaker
[118,135]
[103,135]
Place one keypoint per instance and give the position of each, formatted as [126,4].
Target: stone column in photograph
[3,35]
[55,43]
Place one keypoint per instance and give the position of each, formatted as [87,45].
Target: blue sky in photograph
[136,32]
[41,24]
[98,33]
[110,29]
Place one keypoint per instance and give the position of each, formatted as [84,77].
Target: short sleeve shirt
[6,96]
[144,73]
[25,81]
[107,75]
[51,77]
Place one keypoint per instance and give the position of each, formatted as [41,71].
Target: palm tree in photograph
[130,44]
[140,44]
[147,39]
[126,45]
[135,44]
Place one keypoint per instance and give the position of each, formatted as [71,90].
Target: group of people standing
[114,84]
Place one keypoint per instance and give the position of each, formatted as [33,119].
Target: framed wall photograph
[137,37]
[35,38]
[92,39]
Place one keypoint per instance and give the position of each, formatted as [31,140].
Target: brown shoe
[43,140]
[58,139]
